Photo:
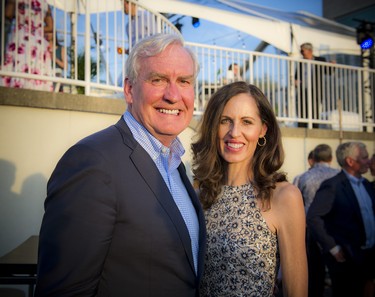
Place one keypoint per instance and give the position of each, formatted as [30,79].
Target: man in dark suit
[342,220]
[316,80]
[121,217]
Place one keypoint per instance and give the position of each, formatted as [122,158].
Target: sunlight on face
[162,99]
[361,164]
[239,130]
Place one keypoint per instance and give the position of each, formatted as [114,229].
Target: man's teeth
[235,145]
[169,111]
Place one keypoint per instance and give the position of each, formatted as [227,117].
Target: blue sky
[213,34]
[312,6]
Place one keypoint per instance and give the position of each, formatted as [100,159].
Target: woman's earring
[264,141]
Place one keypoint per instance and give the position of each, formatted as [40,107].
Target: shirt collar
[152,145]
[354,180]
[322,164]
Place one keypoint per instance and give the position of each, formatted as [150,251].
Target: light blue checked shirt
[310,181]
[167,160]
[365,205]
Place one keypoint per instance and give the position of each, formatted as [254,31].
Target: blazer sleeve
[77,226]
[321,206]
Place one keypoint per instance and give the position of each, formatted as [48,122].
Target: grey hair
[348,149]
[307,45]
[152,46]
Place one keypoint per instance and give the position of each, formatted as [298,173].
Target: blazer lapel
[155,181]
[348,192]
[202,224]
[371,192]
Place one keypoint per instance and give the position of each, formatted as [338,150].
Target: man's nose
[172,92]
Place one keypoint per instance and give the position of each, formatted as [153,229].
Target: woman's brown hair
[209,168]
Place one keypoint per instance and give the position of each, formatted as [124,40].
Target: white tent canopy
[283,30]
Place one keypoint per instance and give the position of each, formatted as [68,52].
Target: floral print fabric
[27,50]
[242,257]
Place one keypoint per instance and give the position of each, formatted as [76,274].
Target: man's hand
[338,253]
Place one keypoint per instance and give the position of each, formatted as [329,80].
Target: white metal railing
[100,30]
[302,92]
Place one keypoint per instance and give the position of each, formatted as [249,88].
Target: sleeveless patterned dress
[242,257]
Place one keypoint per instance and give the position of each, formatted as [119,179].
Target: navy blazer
[334,217]
[111,226]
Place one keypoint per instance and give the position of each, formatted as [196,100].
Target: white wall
[33,139]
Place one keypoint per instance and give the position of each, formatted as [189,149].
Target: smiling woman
[255,219]
[239,131]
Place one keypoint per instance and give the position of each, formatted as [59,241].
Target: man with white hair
[342,220]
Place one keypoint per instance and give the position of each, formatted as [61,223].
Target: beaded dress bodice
[242,257]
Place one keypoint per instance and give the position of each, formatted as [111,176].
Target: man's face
[162,98]
[361,163]
[306,53]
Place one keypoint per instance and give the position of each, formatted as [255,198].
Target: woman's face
[240,128]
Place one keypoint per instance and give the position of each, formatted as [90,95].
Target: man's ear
[349,161]
[128,91]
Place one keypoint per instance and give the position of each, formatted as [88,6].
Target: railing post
[362,117]
[339,108]
[292,110]
[87,51]
[251,68]
[309,95]
[73,52]
[368,112]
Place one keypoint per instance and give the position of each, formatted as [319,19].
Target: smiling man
[121,217]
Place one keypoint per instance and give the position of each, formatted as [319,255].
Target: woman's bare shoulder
[286,194]
[287,204]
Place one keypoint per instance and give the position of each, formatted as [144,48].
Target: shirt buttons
[164,150]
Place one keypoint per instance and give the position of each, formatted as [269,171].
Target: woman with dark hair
[255,219]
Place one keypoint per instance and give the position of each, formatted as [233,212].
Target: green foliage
[81,57]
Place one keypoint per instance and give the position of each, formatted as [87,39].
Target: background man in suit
[316,79]
[342,219]
[121,217]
